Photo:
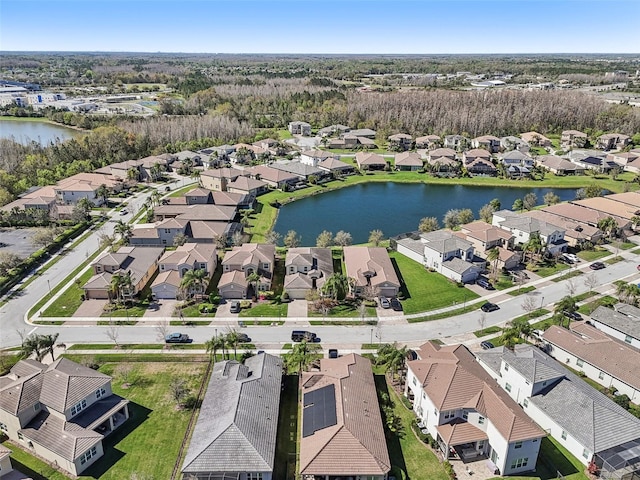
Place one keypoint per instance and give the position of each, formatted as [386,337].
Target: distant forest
[214,99]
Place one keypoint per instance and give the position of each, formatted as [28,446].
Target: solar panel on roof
[319,410]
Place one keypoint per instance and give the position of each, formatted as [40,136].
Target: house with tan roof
[370,161]
[84,185]
[248,186]
[573,139]
[523,227]
[580,418]
[218,178]
[429,142]
[478,162]
[336,167]
[173,265]
[511,142]
[408,161]
[306,268]
[342,431]
[273,177]
[235,434]
[612,141]
[487,142]
[208,212]
[603,359]
[239,263]
[456,142]
[536,139]
[61,412]
[575,233]
[371,267]
[584,215]
[443,160]
[467,413]
[139,262]
[314,157]
[609,207]
[400,142]
[484,236]
[625,160]
[558,165]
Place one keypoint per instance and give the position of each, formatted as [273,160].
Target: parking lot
[18,241]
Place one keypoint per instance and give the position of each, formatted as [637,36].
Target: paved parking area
[90,308]
[18,241]
[297,308]
[161,308]
[223,310]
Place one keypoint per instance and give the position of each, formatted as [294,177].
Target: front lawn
[424,290]
[267,309]
[70,300]
[345,310]
[592,255]
[606,301]
[549,268]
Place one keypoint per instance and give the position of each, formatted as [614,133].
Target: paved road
[12,314]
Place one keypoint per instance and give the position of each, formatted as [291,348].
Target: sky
[328,26]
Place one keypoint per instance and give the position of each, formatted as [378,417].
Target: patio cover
[459,433]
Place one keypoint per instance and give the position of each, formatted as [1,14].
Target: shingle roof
[356,444]
[236,428]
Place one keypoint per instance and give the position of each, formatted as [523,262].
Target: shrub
[191,402]
[245,303]
[214,299]
[448,468]
[206,308]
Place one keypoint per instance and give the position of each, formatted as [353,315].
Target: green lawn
[424,290]
[522,290]
[487,331]
[287,439]
[549,268]
[587,308]
[347,310]
[567,276]
[70,300]
[592,255]
[266,310]
[613,260]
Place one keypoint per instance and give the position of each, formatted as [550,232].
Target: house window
[564,435]
[585,453]
[265,266]
[544,384]
[84,458]
[628,338]
[507,387]
[254,476]
[79,407]
[36,407]
[480,420]
[435,411]
[579,363]
[100,392]
[449,414]
[480,444]
[3,427]
[415,382]
[519,462]
[525,403]
[601,375]
[506,367]
[465,415]
[20,436]
[518,445]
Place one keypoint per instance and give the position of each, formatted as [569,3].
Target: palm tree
[124,230]
[216,343]
[103,193]
[115,289]
[565,304]
[392,357]
[46,344]
[493,256]
[628,293]
[132,174]
[155,171]
[534,245]
[194,281]
[29,346]
[253,278]
[301,356]
[155,197]
[510,336]
[609,226]
[232,338]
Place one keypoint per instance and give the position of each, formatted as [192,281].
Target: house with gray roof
[621,322]
[302,170]
[300,128]
[306,268]
[60,412]
[580,418]
[523,227]
[235,434]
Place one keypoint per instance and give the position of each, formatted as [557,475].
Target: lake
[25,131]
[391,207]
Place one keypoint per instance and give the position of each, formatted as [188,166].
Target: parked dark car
[572,315]
[597,266]
[333,353]
[177,338]
[396,305]
[299,335]
[484,283]
[243,338]
[486,345]
[384,302]
[489,307]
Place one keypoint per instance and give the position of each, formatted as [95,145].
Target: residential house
[429,142]
[203,212]
[513,143]
[84,185]
[304,172]
[273,177]
[342,431]
[300,128]
[218,179]
[622,322]
[364,133]
[247,186]
[235,434]
[580,418]
[5,462]
[629,198]
[400,142]
[336,167]
[584,215]
[173,265]
[443,160]
[605,360]
[371,268]
[573,139]
[612,141]
[152,167]
[484,237]
[214,157]
[40,198]
[239,263]
[352,141]
[575,233]
[456,142]
[597,164]
[536,139]
[558,165]
[523,227]
[127,170]
[315,157]
[141,263]
[444,252]
[60,412]
[332,130]
[625,160]
[370,161]
[408,161]
[478,162]
[517,164]
[609,207]
[306,268]
[487,142]
[467,413]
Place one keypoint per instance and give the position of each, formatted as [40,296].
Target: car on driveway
[597,266]
[396,305]
[486,345]
[484,283]
[489,307]
[384,302]
[234,307]
[572,315]
[177,338]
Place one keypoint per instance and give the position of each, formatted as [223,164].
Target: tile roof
[453,379]
[236,428]
[250,254]
[408,159]
[246,184]
[170,277]
[333,164]
[529,224]
[614,357]
[459,432]
[572,228]
[229,173]
[443,152]
[485,232]
[582,214]
[297,168]
[444,241]
[21,394]
[189,253]
[368,158]
[557,163]
[372,261]
[608,207]
[629,198]
[209,230]
[271,174]
[356,444]
[136,260]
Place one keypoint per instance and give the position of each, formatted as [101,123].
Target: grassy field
[550,268]
[487,331]
[70,300]
[147,445]
[424,290]
[587,308]
[287,439]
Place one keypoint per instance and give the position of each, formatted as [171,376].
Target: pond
[26,131]
[391,207]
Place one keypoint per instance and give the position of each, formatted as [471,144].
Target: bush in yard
[245,303]
[448,468]
[214,299]
[206,308]
[191,402]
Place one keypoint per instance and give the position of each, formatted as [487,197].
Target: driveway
[223,310]
[161,308]
[297,308]
[91,308]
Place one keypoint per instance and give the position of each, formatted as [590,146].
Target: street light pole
[541,302]
[371,340]
[49,283]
